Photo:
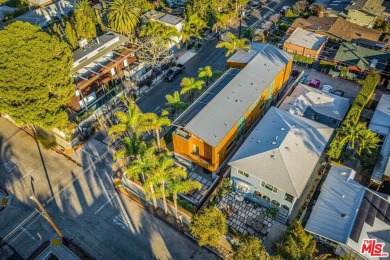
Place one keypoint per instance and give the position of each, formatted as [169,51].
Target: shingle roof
[306,39]
[221,114]
[340,194]
[372,6]
[362,57]
[322,103]
[336,26]
[283,150]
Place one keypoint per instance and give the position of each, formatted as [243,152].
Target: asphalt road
[85,206]
[154,100]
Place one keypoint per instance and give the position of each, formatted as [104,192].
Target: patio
[244,216]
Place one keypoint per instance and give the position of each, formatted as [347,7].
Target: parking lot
[349,88]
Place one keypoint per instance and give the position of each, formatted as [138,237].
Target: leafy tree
[71,36]
[205,74]
[289,13]
[178,183]
[249,247]
[191,85]
[235,44]
[297,244]
[258,36]
[368,161]
[175,102]
[57,31]
[208,225]
[300,6]
[35,82]
[123,16]
[358,134]
[151,51]
[248,33]
[317,9]
[85,20]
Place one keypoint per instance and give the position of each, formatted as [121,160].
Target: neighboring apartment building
[359,59]
[346,213]
[168,20]
[311,103]
[336,28]
[209,129]
[305,43]
[97,65]
[43,16]
[279,160]
[364,12]
[380,124]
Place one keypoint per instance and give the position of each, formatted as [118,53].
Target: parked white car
[326,88]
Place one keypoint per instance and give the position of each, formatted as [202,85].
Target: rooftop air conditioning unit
[83,43]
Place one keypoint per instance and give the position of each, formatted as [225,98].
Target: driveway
[81,201]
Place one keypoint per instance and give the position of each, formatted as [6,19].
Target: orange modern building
[210,128]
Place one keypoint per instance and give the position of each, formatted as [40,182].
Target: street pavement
[84,205]
[154,100]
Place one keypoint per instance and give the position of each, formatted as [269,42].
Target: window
[266,198]
[231,144]
[262,106]
[269,187]
[113,71]
[125,63]
[274,202]
[288,197]
[257,194]
[285,207]
[249,122]
[195,150]
[243,173]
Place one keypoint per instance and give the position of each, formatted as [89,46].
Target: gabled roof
[221,113]
[371,6]
[340,194]
[336,26]
[381,115]
[306,39]
[322,103]
[362,57]
[283,150]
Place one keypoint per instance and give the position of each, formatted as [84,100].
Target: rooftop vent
[282,129]
[344,215]
[287,148]
[83,43]
[343,196]
[273,156]
[273,142]
[258,141]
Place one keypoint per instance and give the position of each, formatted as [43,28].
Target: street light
[47,216]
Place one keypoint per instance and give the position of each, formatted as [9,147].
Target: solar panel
[355,234]
[365,205]
[370,219]
[376,200]
[383,205]
[368,195]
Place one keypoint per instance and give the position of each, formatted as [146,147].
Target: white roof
[381,116]
[303,38]
[340,194]
[283,150]
[327,104]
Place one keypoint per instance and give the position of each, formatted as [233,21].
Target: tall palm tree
[154,122]
[178,183]
[132,122]
[205,74]
[175,102]
[123,16]
[133,148]
[234,44]
[223,21]
[168,35]
[190,85]
[368,141]
[151,29]
[358,134]
[192,28]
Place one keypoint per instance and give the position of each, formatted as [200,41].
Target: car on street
[284,9]
[246,13]
[315,83]
[326,88]
[174,72]
[294,73]
[255,5]
[222,33]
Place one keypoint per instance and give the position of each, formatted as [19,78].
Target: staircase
[282,216]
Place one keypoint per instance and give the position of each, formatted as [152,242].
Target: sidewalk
[58,249]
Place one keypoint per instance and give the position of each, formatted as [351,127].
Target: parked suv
[174,72]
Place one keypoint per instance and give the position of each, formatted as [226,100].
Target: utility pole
[47,216]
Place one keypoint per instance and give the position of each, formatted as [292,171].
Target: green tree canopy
[297,244]
[85,19]
[70,35]
[208,225]
[123,16]
[35,82]
[249,248]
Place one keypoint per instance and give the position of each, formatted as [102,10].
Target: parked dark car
[295,73]
[174,72]
[339,93]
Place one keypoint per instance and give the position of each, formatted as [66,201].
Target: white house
[314,104]
[346,213]
[380,124]
[275,164]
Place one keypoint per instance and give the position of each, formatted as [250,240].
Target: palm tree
[175,102]
[368,141]
[192,28]
[205,74]
[154,122]
[358,134]
[151,29]
[123,16]
[167,36]
[223,21]
[190,85]
[160,172]
[133,148]
[234,44]
[133,122]
[178,183]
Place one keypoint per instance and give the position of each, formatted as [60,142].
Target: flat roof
[307,39]
[163,17]
[286,144]
[340,194]
[216,118]
[381,115]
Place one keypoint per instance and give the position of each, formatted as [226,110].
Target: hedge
[303,59]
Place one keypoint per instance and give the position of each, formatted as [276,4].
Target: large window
[269,187]
[242,187]
[243,173]
[288,197]
[195,149]
[231,144]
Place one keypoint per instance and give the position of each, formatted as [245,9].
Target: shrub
[47,141]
